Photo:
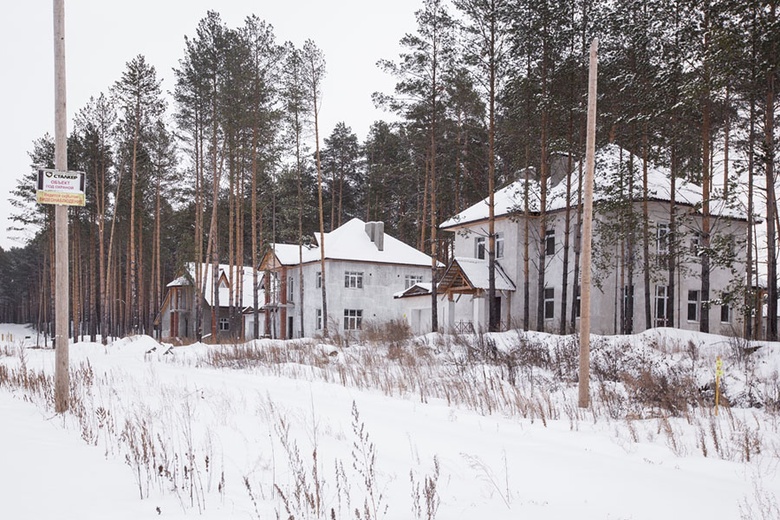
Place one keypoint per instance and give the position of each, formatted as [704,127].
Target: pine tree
[265,57]
[199,83]
[139,98]
[487,34]
[314,73]
[421,72]
[341,158]
[94,136]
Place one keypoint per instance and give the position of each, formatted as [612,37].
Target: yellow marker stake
[718,375]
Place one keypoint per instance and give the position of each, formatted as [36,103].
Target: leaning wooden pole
[587,232]
[61,286]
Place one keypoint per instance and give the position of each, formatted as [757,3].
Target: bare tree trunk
[646,229]
[299,165]
[157,271]
[232,234]
[671,239]
[101,201]
[494,320]
[109,302]
[75,275]
[132,302]
[141,279]
[726,143]
[255,260]
[566,237]
[213,237]
[424,213]
[771,202]
[434,219]
[752,306]
[197,293]
[315,86]
[526,244]
[542,266]
[94,281]
[704,319]
[341,197]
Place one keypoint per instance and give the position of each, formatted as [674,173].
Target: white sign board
[60,187]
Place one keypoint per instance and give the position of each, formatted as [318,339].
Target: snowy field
[431,428]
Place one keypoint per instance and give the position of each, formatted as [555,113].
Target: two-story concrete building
[624,299]
[364,268]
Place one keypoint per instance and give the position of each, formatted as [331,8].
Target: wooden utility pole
[61,373]
[587,232]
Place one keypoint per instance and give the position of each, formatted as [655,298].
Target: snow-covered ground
[168,434]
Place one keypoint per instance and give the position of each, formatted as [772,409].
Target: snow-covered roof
[247,295]
[418,289]
[477,272]
[470,274]
[351,241]
[610,160]
[505,200]
[179,282]
[289,254]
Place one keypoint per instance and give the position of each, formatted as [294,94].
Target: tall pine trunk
[646,228]
[771,201]
[132,301]
[704,319]
[671,239]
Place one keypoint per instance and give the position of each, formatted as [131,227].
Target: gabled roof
[289,254]
[505,201]
[471,274]
[610,160]
[224,272]
[352,242]
[418,289]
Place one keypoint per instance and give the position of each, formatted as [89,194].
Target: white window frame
[318,280]
[353,279]
[693,305]
[661,297]
[725,307]
[290,289]
[318,320]
[412,279]
[480,248]
[353,319]
[275,284]
[549,303]
[499,245]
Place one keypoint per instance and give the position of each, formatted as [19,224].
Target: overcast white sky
[101,36]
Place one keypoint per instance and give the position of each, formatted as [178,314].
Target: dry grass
[650,393]
[537,381]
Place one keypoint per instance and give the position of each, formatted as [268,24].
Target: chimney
[376,233]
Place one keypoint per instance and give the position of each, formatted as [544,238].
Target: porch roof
[468,275]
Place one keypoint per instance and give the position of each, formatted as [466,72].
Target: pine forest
[234,157]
